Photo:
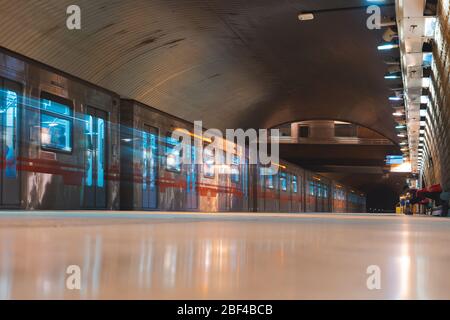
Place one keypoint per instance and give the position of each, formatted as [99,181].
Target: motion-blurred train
[68,144]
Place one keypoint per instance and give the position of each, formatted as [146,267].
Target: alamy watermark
[73,21]
[212,146]
[373,282]
[73,281]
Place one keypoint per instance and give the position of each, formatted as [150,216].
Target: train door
[95,172]
[326,198]
[191,181]
[295,201]
[310,196]
[9,143]
[223,185]
[149,167]
[289,193]
[245,178]
[283,196]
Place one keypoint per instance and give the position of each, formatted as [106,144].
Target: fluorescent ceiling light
[305,16]
[387,46]
[392,77]
[424,99]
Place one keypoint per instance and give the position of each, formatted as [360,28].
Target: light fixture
[395,98]
[305,16]
[400,127]
[401,135]
[397,114]
[387,46]
[391,77]
[424,99]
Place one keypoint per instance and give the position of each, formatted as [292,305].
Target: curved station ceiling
[233,63]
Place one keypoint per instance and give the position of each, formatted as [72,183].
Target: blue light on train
[89,133]
[283,181]
[100,152]
[173,161]
[294,184]
[56,126]
[269,181]
[235,171]
[55,107]
[10,132]
[311,188]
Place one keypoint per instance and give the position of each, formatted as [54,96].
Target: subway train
[67,144]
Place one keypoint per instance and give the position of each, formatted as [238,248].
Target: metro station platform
[142,255]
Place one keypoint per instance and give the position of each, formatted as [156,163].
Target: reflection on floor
[222,256]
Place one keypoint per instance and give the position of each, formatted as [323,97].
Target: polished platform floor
[222,256]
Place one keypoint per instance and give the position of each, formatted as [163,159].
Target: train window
[173,155]
[303,131]
[56,125]
[269,181]
[10,132]
[325,191]
[235,170]
[267,176]
[311,188]
[294,184]
[208,159]
[283,181]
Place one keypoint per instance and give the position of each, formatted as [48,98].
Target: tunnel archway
[232,64]
[307,121]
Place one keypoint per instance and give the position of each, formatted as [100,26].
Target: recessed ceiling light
[305,16]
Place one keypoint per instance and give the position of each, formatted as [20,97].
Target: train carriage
[59,139]
[68,144]
[154,177]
